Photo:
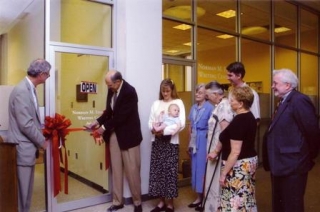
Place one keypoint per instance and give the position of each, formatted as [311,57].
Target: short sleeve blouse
[243,128]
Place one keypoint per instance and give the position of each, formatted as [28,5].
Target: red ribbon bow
[56,129]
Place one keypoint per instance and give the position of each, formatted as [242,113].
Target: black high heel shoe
[158,209]
[194,205]
[199,208]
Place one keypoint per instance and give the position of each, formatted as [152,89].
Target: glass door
[181,74]
[77,91]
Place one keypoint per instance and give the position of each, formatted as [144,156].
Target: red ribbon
[56,129]
[97,136]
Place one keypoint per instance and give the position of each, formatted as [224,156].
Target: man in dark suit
[120,127]
[25,128]
[290,144]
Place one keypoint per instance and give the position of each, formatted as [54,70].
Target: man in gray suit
[25,128]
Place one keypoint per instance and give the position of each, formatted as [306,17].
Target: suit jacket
[123,119]
[24,124]
[292,135]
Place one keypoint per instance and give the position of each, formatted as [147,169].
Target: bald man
[120,128]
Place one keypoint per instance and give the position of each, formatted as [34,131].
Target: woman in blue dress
[199,116]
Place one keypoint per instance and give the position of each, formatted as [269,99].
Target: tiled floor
[263,194]
[186,195]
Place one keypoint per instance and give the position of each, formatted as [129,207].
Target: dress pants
[288,192]
[128,161]
[25,187]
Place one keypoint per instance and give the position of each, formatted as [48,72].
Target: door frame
[50,93]
[193,77]
[184,62]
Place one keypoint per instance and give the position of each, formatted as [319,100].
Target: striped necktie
[36,97]
[277,107]
[36,101]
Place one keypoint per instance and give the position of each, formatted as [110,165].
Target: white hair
[287,76]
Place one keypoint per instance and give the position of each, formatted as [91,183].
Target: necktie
[36,98]
[114,98]
[277,107]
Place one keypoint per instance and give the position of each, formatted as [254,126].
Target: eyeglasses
[209,93]
[200,93]
[46,73]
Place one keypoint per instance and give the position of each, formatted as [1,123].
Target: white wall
[25,43]
[139,59]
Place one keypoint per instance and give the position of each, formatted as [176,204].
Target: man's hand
[98,140]
[92,125]
[45,144]
[100,130]
[97,135]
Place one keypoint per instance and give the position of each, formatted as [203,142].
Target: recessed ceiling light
[183,12]
[253,30]
[182,27]
[224,36]
[227,14]
[281,29]
[187,44]
[172,51]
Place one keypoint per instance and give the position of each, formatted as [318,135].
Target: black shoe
[114,208]
[199,208]
[138,208]
[194,205]
[158,209]
[169,209]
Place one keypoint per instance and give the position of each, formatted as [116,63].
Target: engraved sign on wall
[209,72]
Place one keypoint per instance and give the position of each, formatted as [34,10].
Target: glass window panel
[180,74]
[258,77]
[257,70]
[285,31]
[176,39]
[258,74]
[214,54]
[218,14]
[309,77]
[181,9]
[309,31]
[255,19]
[86,159]
[285,58]
[81,22]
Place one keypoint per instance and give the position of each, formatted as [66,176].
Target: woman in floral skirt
[239,157]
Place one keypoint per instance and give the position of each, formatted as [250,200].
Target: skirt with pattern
[164,166]
[238,194]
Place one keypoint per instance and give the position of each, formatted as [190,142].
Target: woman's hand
[160,133]
[222,180]
[212,156]
[189,151]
